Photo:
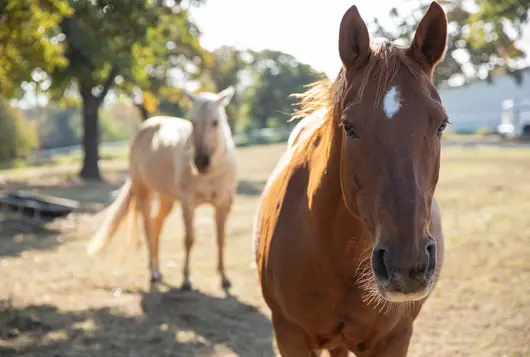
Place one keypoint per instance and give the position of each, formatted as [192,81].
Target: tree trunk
[263,121]
[90,168]
[91,104]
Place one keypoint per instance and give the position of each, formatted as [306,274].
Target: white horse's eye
[215,123]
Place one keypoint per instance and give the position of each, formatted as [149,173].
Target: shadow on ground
[250,188]
[17,235]
[14,240]
[174,323]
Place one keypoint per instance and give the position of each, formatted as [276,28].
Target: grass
[57,302]
[119,150]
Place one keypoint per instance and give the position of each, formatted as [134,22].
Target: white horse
[193,162]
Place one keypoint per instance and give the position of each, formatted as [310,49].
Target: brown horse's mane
[382,66]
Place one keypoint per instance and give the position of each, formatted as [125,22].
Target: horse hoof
[226,284]
[186,286]
[156,277]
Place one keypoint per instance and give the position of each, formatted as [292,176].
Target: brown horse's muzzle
[406,279]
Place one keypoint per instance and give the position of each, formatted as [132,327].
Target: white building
[478,105]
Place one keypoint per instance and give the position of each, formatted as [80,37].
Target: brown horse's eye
[442,127]
[349,130]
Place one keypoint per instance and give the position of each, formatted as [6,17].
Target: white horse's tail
[114,216]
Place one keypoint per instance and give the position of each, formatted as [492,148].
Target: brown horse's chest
[345,319]
[331,308]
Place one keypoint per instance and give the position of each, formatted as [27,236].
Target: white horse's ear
[225,96]
[186,93]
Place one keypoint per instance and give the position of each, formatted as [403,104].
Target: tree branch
[108,83]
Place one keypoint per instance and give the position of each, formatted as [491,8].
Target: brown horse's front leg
[394,345]
[339,352]
[221,214]
[188,212]
[291,339]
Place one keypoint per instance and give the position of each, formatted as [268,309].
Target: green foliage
[273,76]
[160,37]
[227,66]
[27,41]
[482,36]
[133,44]
[17,137]
[491,32]
[113,131]
[60,127]
[277,76]
[170,108]
[515,11]
[63,126]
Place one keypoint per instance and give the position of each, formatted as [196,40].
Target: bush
[113,130]
[61,127]
[17,137]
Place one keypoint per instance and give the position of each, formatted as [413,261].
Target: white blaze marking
[391,102]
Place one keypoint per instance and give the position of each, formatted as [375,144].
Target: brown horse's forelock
[381,68]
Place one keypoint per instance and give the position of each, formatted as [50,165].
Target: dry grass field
[55,302]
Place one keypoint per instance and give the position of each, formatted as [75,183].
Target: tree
[493,30]
[24,41]
[17,137]
[227,66]
[478,42]
[115,41]
[277,76]
[180,50]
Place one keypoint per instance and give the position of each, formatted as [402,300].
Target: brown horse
[348,236]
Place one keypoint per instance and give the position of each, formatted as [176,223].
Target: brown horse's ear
[430,39]
[354,40]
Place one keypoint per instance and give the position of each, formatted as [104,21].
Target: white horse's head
[210,125]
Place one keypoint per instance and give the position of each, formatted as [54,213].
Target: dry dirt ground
[57,302]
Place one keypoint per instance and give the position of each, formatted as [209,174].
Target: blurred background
[78,76]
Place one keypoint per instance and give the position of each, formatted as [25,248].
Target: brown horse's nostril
[404,275]
[379,265]
[430,250]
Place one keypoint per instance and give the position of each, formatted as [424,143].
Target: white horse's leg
[188,212]
[165,205]
[143,204]
[221,214]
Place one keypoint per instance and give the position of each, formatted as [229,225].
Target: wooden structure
[31,210]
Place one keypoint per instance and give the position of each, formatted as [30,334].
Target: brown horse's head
[211,130]
[392,120]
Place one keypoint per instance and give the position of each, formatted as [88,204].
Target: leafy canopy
[25,43]
[134,42]
[277,76]
[481,36]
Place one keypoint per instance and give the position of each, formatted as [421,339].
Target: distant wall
[477,105]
